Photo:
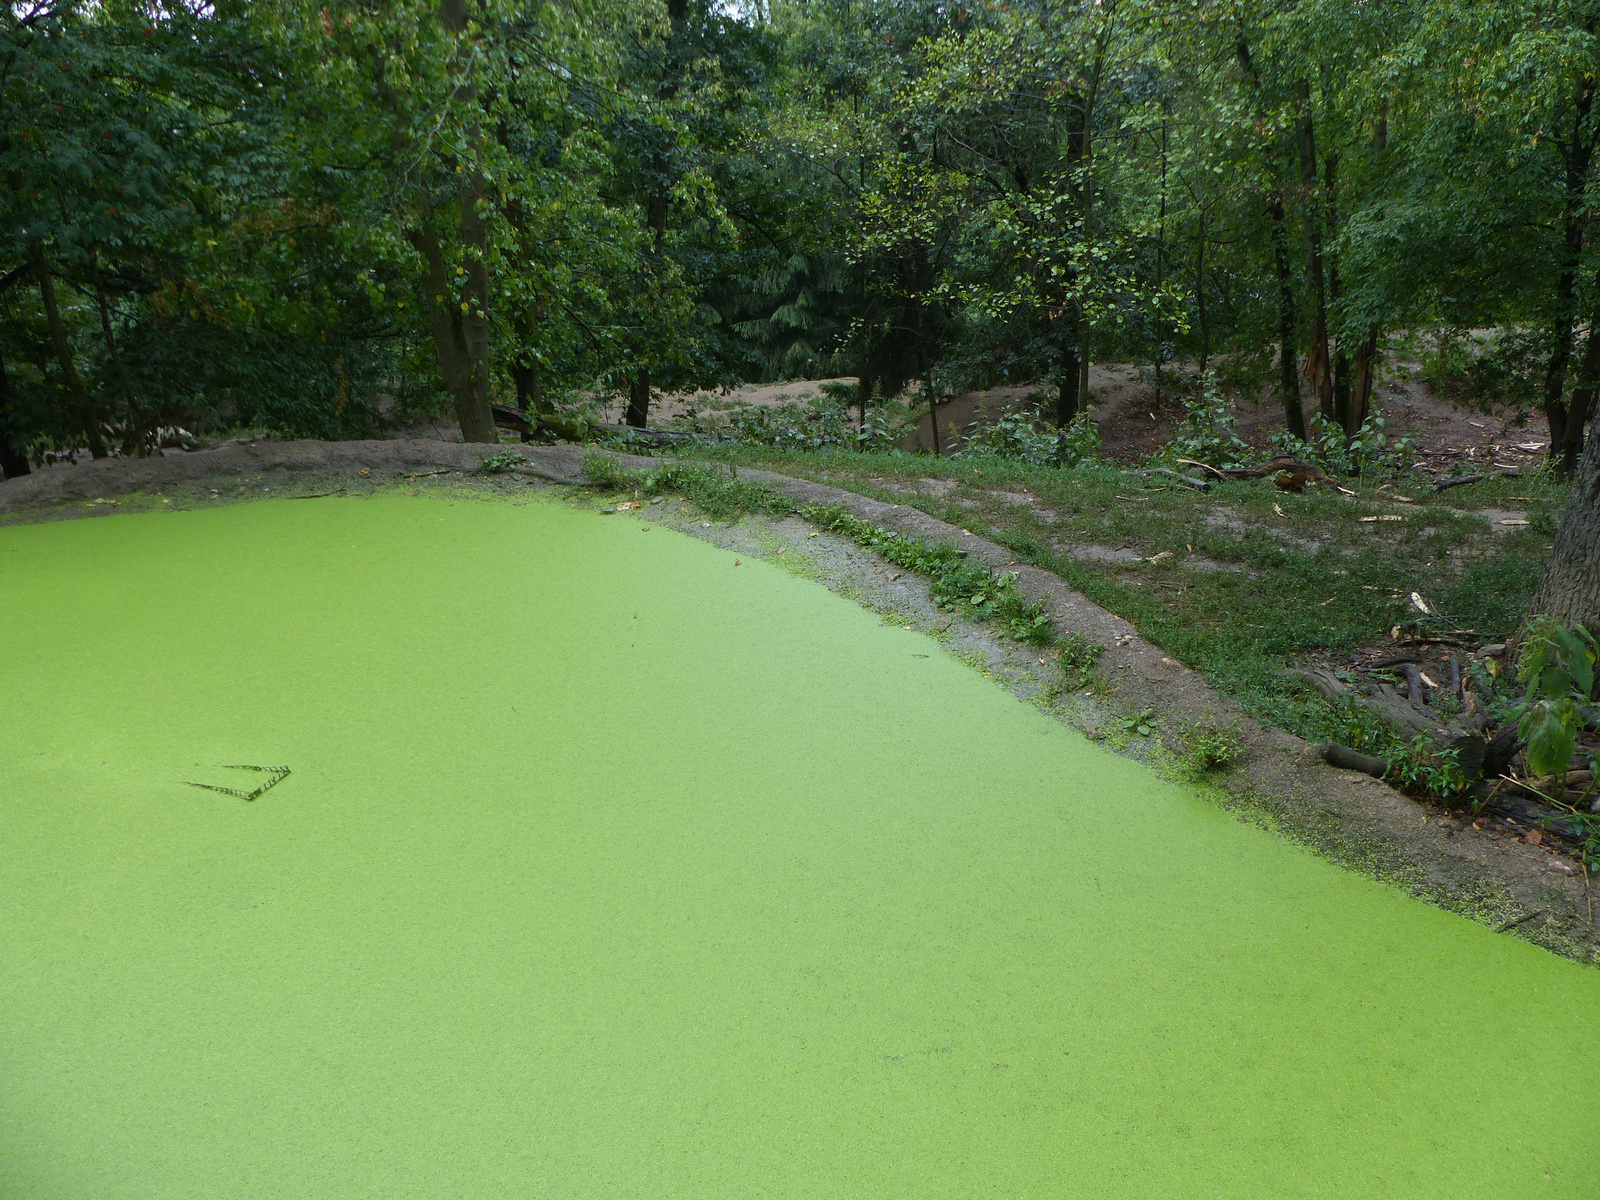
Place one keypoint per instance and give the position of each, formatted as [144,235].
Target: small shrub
[1078,657]
[1209,431]
[1420,766]
[1209,747]
[1019,436]
[1556,669]
[499,464]
[1367,453]
[1141,723]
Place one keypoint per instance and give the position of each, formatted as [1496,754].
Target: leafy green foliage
[1209,431]
[1018,435]
[1078,657]
[1211,747]
[1366,453]
[1141,723]
[1556,669]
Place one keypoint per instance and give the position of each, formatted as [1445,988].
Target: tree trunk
[525,375]
[450,339]
[1068,374]
[1288,327]
[461,326]
[1343,409]
[1200,293]
[63,349]
[1317,361]
[1288,317]
[1577,154]
[1363,378]
[639,399]
[1570,589]
[13,461]
[1565,453]
[475,298]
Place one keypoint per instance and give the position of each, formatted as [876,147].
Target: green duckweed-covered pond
[609,869]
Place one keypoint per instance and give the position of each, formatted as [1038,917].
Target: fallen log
[1293,473]
[1347,759]
[1526,811]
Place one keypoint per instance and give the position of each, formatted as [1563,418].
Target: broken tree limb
[1200,485]
[1347,759]
[1322,680]
[1458,481]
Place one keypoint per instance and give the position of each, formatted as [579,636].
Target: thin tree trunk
[1577,154]
[475,295]
[1288,316]
[461,326]
[1363,378]
[1288,324]
[1068,394]
[1570,589]
[1200,294]
[525,375]
[13,461]
[63,349]
[1340,367]
[135,439]
[1565,454]
[1317,362]
[1161,264]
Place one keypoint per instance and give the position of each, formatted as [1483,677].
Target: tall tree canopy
[324,216]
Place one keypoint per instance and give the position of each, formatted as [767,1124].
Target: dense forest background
[328,219]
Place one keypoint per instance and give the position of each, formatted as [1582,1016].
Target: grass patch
[957,583]
[1249,578]
[717,494]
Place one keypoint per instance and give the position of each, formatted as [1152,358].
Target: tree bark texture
[446,317]
[1288,314]
[638,399]
[1577,155]
[1570,589]
[63,349]
[1318,365]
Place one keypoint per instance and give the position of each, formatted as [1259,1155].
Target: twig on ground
[1522,920]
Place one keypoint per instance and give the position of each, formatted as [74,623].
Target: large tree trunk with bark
[638,399]
[1318,365]
[1570,589]
[446,320]
[63,349]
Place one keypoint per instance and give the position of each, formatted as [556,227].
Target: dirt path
[1351,818]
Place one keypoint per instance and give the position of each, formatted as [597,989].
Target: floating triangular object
[279,774]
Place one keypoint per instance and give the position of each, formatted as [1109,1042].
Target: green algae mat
[606,868]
